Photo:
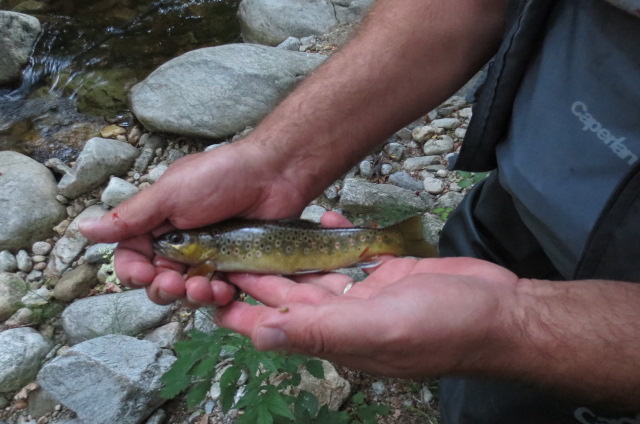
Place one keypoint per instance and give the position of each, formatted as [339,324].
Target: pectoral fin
[205,269]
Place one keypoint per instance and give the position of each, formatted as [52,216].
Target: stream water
[89,54]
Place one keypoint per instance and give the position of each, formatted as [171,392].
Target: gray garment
[575,128]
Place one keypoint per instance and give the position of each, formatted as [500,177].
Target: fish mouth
[172,252]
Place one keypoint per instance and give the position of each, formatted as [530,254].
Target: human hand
[197,190]
[409,318]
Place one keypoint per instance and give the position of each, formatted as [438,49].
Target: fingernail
[166,297]
[87,222]
[268,338]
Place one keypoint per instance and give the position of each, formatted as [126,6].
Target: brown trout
[288,246]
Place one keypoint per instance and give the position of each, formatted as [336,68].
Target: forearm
[407,58]
[578,337]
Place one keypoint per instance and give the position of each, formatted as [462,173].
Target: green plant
[467,179]
[265,398]
[443,212]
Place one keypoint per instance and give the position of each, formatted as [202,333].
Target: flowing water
[89,54]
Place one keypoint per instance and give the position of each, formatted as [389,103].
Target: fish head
[181,246]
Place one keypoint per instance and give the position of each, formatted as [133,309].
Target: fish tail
[414,242]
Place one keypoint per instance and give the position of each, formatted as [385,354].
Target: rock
[383,204]
[117,191]
[166,336]
[22,318]
[445,123]
[22,350]
[8,262]
[76,283]
[394,150]
[40,403]
[158,417]
[432,227]
[313,213]
[18,34]
[28,198]
[423,132]
[38,297]
[99,253]
[439,146]
[41,248]
[405,180]
[12,289]
[112,131]
[100,158]
[111,379]
[203,320]
[70,246]
[332,391]
[378,388]
[450,200]
[24,262]
[270,22]
[291,43]
[172,100]
[366,169]
[129,312]
[155,174]
[420,162]
[433,185]
[151,145]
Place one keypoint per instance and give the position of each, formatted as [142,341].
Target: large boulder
[28,197]
[18,34]
[272,21]
[22,350]
[218,91]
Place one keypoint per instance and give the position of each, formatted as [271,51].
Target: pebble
[157,172]
[378,388]
[460,133]
[8,262]
[386,169]
[405,180]
[445,123]
[112,131]
[24,262]
[60,198]
[366,169]
[313,213]
[39,258]
[37,297]
[423,133]
[420,162]
[35,275]
[465,112]
[441,145]
[433,185]
[99,253]
[394,150]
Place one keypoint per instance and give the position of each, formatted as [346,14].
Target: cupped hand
[200,189]
[409,318]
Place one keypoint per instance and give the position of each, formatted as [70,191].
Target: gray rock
[157,417]
[450,199]
[445,123]
[378,388]
[383,204]
[313,213]
[40,403]
[76,283]
[155,174]
[332,391]
[37,297]
[8,262]
[395,150]
[203,320]
[270,22]
[129,312]
[18,34]
[423,132]
[22,350]
[291,43]
[151,145]
[244,82]
[420,162]
[366,169]
[41,248]
[98,253]
[439,146]
[100,158]
[12,289]
[111,379]
[24,262]
[405,180]
[28,198]
[433,185]
[386,169]
[70,246]
[165,336]
[117,191]
[432,227]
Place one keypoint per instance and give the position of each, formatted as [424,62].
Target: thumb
[138,215]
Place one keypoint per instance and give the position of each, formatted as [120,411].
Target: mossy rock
[12,289]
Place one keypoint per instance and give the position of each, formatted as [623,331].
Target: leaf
[206,368]
[228,387]
[358,398]
[306,402]
[198,393]
[315,368]
[326,416]
[277,403]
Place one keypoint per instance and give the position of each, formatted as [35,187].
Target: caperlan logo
[586,416]
[590,123]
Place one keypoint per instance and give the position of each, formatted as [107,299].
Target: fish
[288,247]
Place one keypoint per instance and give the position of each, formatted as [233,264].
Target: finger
[275,291]
[333,282]
[334,220]
[167,287]
[132,262]
[136,216]
[200,291]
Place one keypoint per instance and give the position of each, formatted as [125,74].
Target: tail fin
[415,244]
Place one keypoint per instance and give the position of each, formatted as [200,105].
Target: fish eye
[174,238]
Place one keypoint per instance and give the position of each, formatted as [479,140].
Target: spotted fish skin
[290,246]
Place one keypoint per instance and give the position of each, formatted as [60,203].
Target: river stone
[100,158]
[76,283]
[383,204]
[18,34]
[243,83]
[271,22]
[110,379]
[12,289]
[28,198]
[405,180]
[129,312]
[332,390]
[71,245]
[21,353]
[117,191]
[8,262]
